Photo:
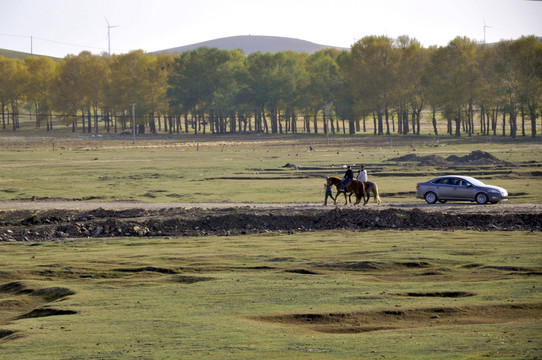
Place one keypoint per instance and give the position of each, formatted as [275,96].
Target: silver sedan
[457,187]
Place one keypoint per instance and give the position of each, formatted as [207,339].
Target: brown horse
[354,187]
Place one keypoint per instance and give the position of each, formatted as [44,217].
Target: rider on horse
[362,175]
[348,176]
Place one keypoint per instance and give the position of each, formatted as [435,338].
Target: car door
[457,189]
[464,190]
[444,189]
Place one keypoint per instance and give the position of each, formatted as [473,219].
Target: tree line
[380,83]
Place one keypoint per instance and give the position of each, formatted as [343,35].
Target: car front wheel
[431,197]
[481,198]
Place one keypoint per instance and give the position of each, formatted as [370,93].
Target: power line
[13,35]
[70,44]
[59,42]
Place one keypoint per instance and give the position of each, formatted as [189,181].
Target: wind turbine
[485,27]
[109,35]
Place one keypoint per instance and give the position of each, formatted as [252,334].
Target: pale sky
[61,27]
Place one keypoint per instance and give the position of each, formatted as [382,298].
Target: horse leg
[363,193]
[358,195]
[337,194]
[358,199]
[345,196]
[368,197]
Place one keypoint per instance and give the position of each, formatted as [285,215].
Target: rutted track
[50,220]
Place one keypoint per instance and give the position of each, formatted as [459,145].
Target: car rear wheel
[481,198]
[430,197]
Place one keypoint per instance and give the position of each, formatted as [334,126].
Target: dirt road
[505,207]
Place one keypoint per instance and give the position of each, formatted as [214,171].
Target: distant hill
[253,43]
[19,54]
[14,54]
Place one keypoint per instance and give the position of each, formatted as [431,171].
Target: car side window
[455,182]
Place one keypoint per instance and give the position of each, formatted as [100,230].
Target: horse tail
[377,197]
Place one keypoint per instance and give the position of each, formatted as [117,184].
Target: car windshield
[474,181]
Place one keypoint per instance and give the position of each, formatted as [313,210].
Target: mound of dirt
[432,160]
[57,224]
[477,157]
[428,160]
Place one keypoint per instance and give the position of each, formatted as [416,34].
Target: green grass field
[320,295]
[243,169]
[242,297]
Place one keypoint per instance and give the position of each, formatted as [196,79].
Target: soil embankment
[46,221]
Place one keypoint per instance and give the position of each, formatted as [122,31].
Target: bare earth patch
[397,318]
[19,302]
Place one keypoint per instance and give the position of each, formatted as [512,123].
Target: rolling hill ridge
[253,43]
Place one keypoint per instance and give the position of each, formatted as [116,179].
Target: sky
[61,27]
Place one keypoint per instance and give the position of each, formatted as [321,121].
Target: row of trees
[472,88]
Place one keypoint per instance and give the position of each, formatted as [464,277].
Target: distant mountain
[14,54]
[253,43]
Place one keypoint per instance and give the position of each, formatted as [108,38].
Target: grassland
[246,168]
[470,296]
[314,295]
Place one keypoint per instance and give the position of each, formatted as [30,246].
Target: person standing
[362,175]
[329,193]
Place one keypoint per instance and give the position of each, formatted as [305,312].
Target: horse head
[332,180]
